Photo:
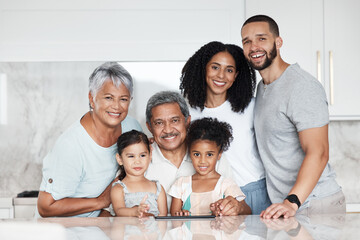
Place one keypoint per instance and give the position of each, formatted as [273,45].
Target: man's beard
[268,60]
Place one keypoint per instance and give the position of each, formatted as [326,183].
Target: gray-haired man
[167,118]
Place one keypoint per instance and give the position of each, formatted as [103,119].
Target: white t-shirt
[164,171]
[242,154]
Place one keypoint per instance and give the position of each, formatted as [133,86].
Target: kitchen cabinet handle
[318,66]
[331,69]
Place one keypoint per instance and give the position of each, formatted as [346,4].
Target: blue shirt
[77,167]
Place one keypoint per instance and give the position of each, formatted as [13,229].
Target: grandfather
[167,118]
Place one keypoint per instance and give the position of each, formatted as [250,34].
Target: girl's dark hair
[193,77]
[210,129]
[127,139]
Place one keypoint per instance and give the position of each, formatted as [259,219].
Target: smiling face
[110,105]
[260,45]
[220,73]
[204,155]
[135,158]
[168,126]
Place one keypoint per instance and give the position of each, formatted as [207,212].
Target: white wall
[120,30]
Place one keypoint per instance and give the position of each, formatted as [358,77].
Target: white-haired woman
[78,171]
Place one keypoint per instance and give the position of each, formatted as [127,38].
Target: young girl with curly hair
[203,192]
[218,82]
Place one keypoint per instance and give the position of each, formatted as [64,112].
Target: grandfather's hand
[276,210]
[229,206]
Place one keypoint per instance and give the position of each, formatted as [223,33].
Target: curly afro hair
[193,77]
[210,129]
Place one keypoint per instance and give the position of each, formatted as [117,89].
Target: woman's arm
[162,204]
[49,207]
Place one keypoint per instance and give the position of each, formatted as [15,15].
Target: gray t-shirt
[294,102]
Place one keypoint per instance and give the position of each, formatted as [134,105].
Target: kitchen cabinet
[6,208]
[24,207]
[321,36]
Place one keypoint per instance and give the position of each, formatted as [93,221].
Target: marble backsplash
[45,98]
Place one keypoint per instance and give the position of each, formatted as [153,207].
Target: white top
[164,171]
[242,154]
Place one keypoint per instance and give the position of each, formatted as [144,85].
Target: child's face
[204,155]
[135,158]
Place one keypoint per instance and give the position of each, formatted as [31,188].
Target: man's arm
[314,142]
[48,207]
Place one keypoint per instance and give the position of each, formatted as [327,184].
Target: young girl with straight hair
[133,195]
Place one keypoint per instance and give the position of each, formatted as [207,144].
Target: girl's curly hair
[193,77]
[210,129]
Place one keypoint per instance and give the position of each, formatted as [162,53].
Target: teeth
[258,55]
[114,114]
[219,83]
[172,137]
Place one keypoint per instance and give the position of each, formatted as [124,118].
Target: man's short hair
[274,29]
[164,97]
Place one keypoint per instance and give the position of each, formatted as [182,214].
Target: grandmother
[78,171]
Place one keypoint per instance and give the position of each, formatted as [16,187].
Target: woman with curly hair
[218,82]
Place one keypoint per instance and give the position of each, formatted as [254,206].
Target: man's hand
[276,210]
[229,206]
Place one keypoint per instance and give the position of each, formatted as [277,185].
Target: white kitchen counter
[345,226]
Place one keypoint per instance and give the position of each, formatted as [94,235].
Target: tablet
[184,217]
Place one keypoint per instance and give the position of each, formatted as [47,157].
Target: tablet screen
[185,217]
